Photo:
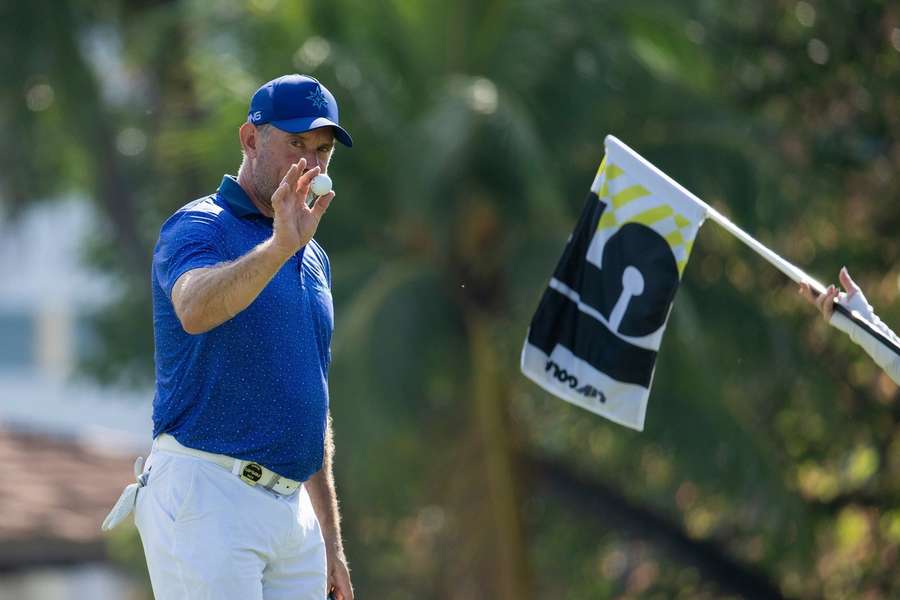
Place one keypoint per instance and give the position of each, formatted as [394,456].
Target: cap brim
[302,125]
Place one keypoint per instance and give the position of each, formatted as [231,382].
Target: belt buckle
[251,473]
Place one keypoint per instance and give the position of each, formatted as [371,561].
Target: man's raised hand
[295,223]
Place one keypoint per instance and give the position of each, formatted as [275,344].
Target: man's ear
[249,139]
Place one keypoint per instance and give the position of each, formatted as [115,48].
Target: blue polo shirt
[255,387]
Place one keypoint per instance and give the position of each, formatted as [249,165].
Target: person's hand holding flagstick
[853,301]
[825,302]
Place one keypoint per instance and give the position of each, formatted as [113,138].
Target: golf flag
[594,337]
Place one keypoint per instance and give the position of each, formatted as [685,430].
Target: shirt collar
[232,194]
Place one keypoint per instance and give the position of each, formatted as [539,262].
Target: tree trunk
[503,540]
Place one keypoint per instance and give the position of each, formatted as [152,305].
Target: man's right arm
[205,298]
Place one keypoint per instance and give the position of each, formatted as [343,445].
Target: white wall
[44,288]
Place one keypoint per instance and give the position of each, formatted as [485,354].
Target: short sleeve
[190,239]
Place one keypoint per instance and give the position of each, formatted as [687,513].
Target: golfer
[854,299]
[238,500]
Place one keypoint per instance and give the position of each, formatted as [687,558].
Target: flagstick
[792,271]
[797,274]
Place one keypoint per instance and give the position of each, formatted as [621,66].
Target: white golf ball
[321,184]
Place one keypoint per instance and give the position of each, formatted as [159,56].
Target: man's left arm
[324,500]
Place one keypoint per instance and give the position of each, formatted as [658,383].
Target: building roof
[54,493]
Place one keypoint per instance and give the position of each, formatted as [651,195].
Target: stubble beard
[265,182]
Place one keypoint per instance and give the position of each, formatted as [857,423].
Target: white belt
[250,472]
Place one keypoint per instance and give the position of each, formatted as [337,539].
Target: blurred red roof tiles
[54,493]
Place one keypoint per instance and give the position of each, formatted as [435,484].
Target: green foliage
[478,127]
[123,546]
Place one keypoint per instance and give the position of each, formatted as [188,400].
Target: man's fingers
[303,182]
[294,173]
[291,175]
[282,190]
[342,591]
[322,203]
[338,591]
[339,584]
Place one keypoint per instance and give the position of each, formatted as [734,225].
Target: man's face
[278,150]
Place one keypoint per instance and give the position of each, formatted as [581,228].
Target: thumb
[848,282]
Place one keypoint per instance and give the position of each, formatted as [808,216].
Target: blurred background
[770,462]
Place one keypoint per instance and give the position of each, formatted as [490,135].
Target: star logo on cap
[318,98]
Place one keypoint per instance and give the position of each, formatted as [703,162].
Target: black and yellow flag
[594,338]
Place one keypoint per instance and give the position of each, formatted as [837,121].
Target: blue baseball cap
[296,104]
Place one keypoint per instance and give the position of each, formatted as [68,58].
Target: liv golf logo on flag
[594,338]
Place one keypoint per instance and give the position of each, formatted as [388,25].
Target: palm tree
[492,126]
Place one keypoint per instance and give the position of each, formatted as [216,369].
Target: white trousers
[207,535]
